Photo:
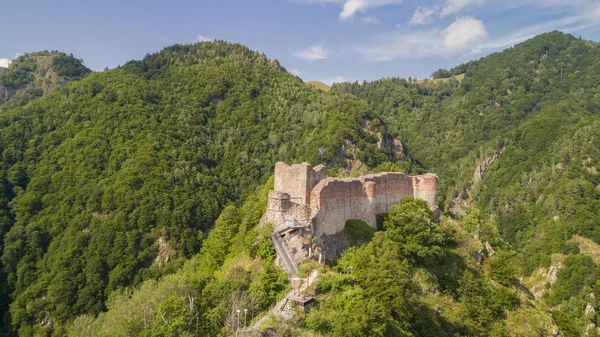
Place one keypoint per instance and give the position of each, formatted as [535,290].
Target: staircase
[285,256]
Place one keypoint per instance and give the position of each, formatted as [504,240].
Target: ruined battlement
[338,200]
[304,196]
[298,180]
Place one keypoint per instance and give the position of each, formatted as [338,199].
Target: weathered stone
[304,201]
[589,310]
[297,180]
[490,251]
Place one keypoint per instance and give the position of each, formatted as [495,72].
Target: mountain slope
[34,74]
[517,138]
[109,185]
[319,85]
[113,179]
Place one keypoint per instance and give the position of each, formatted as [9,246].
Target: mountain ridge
[105,175]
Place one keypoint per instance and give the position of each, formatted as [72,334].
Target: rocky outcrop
[42,76]
[464,201]
[393,146]
[541,279]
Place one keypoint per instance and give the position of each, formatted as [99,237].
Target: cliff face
[36,74]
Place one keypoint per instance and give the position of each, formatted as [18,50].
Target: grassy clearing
[319,85]
[459,78]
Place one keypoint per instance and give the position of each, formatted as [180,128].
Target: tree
[410,223]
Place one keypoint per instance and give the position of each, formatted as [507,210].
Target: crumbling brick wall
[333,201]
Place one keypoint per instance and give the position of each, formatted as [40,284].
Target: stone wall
[426,188]
[305,205]
[298,180]
[337,200]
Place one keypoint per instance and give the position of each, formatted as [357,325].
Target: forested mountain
[35,74]
[130,197]
[519,139]
[108,179]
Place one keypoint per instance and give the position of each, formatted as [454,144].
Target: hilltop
[130,198]
[113,179]
[32,75]
[319,85]
[517,140]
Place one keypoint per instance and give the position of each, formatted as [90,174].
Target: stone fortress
[308,211]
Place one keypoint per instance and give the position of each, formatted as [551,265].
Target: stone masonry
[305,204]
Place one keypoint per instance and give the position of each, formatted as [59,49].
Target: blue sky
[326,40]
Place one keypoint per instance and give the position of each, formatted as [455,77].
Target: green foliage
[580,273]
[104,175]
[68,66]
[101,177]
[480,309]
[441,73]
[410,223]
[358,232]
[376,300]
[566,325]
[201,298]
[504,267]
[518,138]
[19,73]
[32,75]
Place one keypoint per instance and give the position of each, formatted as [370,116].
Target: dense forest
[130,198]
[97,172]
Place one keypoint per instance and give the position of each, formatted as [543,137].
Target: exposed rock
[44,78]
[6,93]
[490,251]
[47,322]
[393,146]
[464,200]
[163,256]
[333,245]
[537,282]
[589,310]
[590,326]
[480,256]
[588,247]
[99,214]
[590,169]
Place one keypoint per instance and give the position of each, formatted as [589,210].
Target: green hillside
[517,138]
[319,85]
[114,179]
[129,198]
[34,74]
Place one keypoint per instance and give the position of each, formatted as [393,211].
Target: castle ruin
[306,205]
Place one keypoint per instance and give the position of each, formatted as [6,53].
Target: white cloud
[4,62]
[334,79]
[202,38]
[422,15]
[463,33]
[593,12]
[458,38]
[370,19]
[403,45]
[454,6]
[294,71]
[313,53]
[353,6]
